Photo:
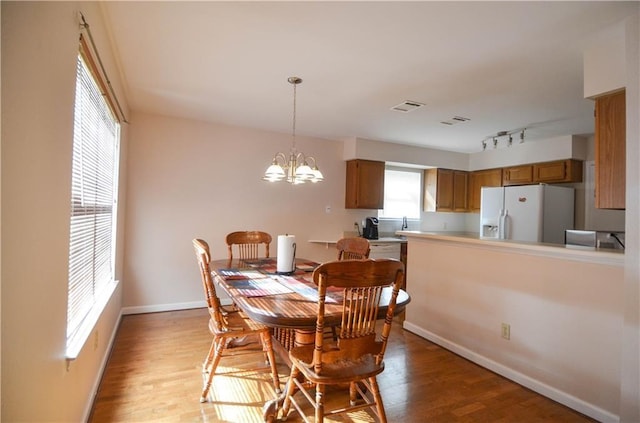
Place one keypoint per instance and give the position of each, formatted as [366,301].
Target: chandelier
[297,168]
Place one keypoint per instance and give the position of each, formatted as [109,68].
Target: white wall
[630,372]
[361,148]
[546,150]
[565,316]
[39,51]
[190,179]
[604,62]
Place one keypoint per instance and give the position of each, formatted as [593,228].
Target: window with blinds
[401,193]
[96,135]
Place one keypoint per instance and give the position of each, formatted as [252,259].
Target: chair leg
[319,403]
[353,393]
[378,399]
[267,345]
[220,345]
[290,387]
[209,357]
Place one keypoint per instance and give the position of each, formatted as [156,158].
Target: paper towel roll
[286,254]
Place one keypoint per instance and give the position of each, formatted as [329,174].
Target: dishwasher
[389,250]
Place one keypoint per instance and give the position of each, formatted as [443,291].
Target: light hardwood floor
[154,374]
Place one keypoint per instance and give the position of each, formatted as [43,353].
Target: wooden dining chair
[247,244]
[227,327]
[354,248]
[357,356]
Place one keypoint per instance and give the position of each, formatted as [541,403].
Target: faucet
[404,223]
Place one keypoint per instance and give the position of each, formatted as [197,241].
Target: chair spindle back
[248,244]
[354,248]
[363,282]
[213,302]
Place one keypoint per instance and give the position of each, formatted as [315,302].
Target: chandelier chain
[294,116]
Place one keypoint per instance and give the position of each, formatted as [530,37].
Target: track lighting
[509,138]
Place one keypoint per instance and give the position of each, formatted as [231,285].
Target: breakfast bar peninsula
[547,316]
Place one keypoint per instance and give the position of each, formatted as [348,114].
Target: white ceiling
[503,65]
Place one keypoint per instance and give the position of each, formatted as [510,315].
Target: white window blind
[401,193]
[96,136]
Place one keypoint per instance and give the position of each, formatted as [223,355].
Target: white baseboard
[162,307]
[168,307]
[520,378]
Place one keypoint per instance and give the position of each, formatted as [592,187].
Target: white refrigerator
[536,213]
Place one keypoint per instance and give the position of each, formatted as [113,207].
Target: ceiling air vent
[407,106]
[454,120]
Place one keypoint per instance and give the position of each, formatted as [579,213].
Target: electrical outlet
[506,331]
[327,209]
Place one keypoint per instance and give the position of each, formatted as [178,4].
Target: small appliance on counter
[596,239]
[370,229]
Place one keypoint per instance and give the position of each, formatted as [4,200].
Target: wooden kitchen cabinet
[460,191]
[365,184]
[445,190]
[517,175]
[438,190]
[479,179]
[610,150]
[558,171]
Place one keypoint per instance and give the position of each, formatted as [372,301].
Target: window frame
[416,170]
[83,285]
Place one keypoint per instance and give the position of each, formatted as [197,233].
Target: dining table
[286,302]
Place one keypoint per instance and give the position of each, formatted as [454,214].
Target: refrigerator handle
[502,224]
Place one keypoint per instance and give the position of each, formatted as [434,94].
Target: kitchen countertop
[381,240]
[561,251]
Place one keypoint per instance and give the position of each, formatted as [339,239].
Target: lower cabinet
[394,250]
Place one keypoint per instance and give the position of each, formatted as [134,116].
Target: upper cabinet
[448,190]
[479,179]
[438,190]
[558,172]
[610,150]
[517,175]
[445,190]
[365,184]
[460,191]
